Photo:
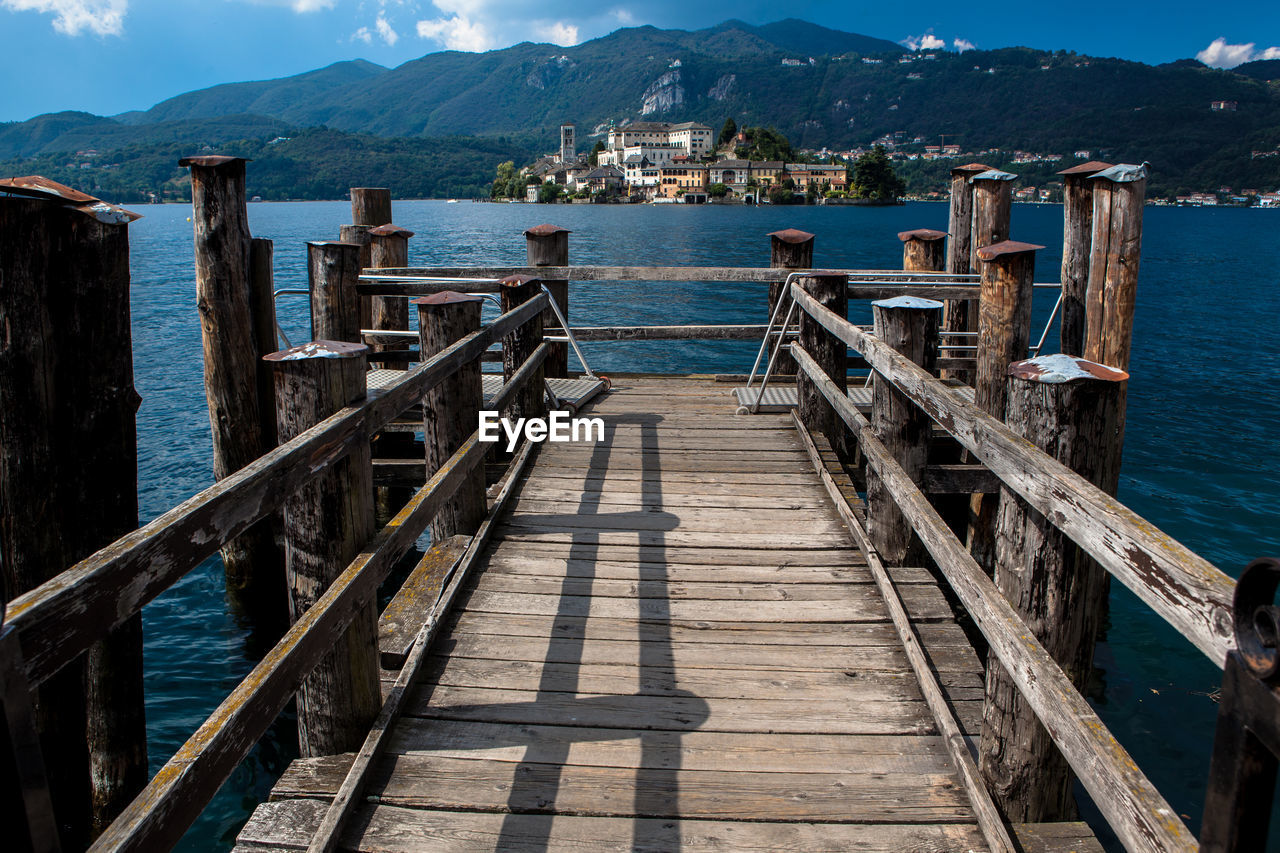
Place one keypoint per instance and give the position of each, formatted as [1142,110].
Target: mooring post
[548,246]
[263,306]
[389,249]
[831,354]
[1072,410]
[326,523]
[923,250]
[333,270]
[960,315]
[1004,333]
[1118,195]
[450,410]
[789,249]
[68,477]
[909,325]
[992,210]
[359,234]
[520,344]
[370,206]
[1077,239]
[227,298]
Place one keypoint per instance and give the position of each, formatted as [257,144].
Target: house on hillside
[604,179]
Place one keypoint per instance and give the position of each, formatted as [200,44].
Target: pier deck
[671,643]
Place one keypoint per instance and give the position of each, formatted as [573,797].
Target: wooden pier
[859,618]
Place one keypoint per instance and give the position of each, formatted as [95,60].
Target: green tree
[727,133]
[717,191]
[549,192]
[781,195]
[874,177]
[766,143]
[593,159]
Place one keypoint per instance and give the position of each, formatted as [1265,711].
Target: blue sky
[109,56]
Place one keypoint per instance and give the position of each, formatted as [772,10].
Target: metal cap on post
[548,246]
[791,249]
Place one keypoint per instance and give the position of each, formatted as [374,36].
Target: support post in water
[359,234]
[1072,410]
[923,250]
[909,325]
[789,249]
[389,249]
[68,476]
[226,296]
[992,209]
[520,344]
[333,270]
[1004,333]
[1077,238]
[548,246]
[370,206]
[830,353]
[1118,195]
[450,410]
[326,523]
[961,315]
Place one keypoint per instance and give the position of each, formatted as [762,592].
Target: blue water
[1200,457]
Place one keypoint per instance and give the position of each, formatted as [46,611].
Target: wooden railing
[1189,593]
[59,620]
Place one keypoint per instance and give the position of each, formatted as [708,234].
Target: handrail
[61,618]
[1182,587]
[177,794]
[1138,813]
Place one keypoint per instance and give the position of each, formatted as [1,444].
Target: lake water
[1201,454]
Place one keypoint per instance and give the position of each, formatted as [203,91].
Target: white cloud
[363,35]
[304,6]
[928,41]
[458,33]
[623,16]
[565,35]
[1219,54]
[72,17]
[961,45]
[386,32]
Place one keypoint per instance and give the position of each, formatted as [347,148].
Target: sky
[111,56]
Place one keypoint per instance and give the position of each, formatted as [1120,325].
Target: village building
[682,180]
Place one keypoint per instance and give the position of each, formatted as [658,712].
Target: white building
[659,141]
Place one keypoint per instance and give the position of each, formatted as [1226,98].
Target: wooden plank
[645,479]
[675,573]
[405,614]
[621,495]
[682,713]
[1065,837]
[426,781]
[1186,590]
[713,555]
[587,536]
[538,515]
[288,825]
[660,587]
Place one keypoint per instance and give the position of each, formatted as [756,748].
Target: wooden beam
[1185,589]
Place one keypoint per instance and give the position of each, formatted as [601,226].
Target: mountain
[819,86]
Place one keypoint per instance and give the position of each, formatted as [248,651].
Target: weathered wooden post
[370,205]
[789,249]
[520,344]
[450,410]
[548,246]
[960,315]
[909,325]
[831,354]
[68,474]
[359,234]
[263,305]
[1118,195]
[389,249]
[923,250]
[992,209]
[333,270]
[229,297]
[1004,333]
[1077,238]
[326,523]
[1072,410]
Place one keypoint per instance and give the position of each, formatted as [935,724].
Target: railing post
[520,344]
[229,328]
[1118,195]
[1004,333]
[548,246]
[326,523]
[910,326]
[1077,238]
[450,410]
[789,249]
[389,249]
[1071,409]
[333,270]
[923,250]
[69,482]
[960,315]
[831,354]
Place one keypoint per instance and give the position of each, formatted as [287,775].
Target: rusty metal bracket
[1246,746]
